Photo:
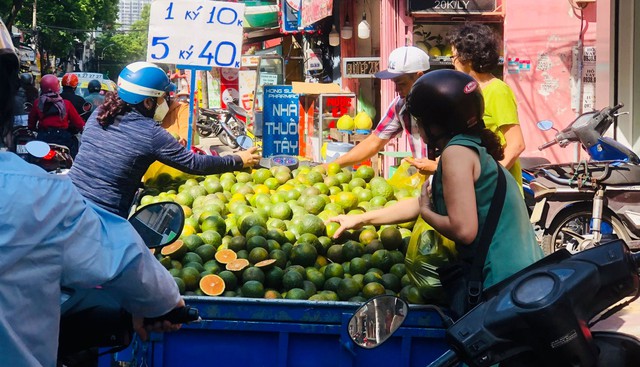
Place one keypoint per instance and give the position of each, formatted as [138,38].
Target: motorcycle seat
[609,173]
[213,112]
[528,163]
[237,109]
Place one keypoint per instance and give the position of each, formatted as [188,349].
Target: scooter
[93,318]
[540,316]
[223,123]
[21,134]
[51,157]
[579,204]
[527,165]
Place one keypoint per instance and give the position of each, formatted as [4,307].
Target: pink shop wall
[539,37]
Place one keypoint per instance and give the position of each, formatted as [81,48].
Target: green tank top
[513,246]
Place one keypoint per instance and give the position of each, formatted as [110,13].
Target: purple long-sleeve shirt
[111,162]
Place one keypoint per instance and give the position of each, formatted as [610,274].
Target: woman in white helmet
[123,138]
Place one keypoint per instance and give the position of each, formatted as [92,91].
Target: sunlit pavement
[206,144]
[625,321]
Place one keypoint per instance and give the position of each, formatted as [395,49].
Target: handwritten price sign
[196,33]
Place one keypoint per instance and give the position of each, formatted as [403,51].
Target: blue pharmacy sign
[281,118]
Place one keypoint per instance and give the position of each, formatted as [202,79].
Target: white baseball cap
[404,60]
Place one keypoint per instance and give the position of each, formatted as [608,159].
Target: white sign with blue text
[281,118]
[196,33]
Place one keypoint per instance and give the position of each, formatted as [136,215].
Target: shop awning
[254,35]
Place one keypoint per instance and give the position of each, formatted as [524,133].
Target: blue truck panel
[284,333]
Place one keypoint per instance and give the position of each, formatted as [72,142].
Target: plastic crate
[285,333]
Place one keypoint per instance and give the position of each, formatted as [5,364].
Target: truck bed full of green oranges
[264,234]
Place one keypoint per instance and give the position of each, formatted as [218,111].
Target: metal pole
[102,54]
[191,107]
[34,29]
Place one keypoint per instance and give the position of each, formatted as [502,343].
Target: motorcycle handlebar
[615,108]
[179,315]
[448,359]
[547,144]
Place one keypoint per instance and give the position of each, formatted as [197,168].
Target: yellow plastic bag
[407,177]
[426,252]
[156,169]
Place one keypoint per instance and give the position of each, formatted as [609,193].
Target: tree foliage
[61,24]
[117,49]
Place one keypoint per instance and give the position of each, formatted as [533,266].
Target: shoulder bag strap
[474,286]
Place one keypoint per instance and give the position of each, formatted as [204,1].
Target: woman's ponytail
[491,142]
[112,107]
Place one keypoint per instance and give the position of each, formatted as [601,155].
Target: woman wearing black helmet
[448,106]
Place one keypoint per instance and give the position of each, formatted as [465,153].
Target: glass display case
[330,108]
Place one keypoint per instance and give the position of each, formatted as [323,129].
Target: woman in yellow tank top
[474,49]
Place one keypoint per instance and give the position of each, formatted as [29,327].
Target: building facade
[129,11]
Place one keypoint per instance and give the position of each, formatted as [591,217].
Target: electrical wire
[574,5]
[78,30]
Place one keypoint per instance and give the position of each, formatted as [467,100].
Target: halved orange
[237,264]
[175,250]
[265,263]
[225,256]
[212,285]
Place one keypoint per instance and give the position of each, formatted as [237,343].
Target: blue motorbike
[579,204]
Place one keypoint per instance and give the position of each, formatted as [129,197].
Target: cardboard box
[315,88]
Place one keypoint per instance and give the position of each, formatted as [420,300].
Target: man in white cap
[406,65]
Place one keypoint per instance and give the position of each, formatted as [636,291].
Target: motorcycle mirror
[376,320]
[545,125]
[244,141]
[38,149]
[27,107]
[159,224]
[86,107]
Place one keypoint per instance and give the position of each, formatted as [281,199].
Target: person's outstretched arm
[169,151]
[400,212]
[362,151]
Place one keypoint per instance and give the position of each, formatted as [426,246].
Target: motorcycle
[527,164]
[93,318]
[51,157]
[225,124]
[540,316]
[579,204]
[20,131]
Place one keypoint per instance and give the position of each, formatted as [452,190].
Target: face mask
[161,111]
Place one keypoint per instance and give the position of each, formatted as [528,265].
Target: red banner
[312,11]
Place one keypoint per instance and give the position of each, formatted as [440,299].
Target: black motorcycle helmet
[26,79]
[94,86]
[447,98]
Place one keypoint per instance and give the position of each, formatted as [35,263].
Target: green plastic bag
[426,252]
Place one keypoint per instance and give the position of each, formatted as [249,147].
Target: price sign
[360,67]
[196,33]
[452,6]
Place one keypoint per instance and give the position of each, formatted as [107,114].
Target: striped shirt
[109,167]
[398,119]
